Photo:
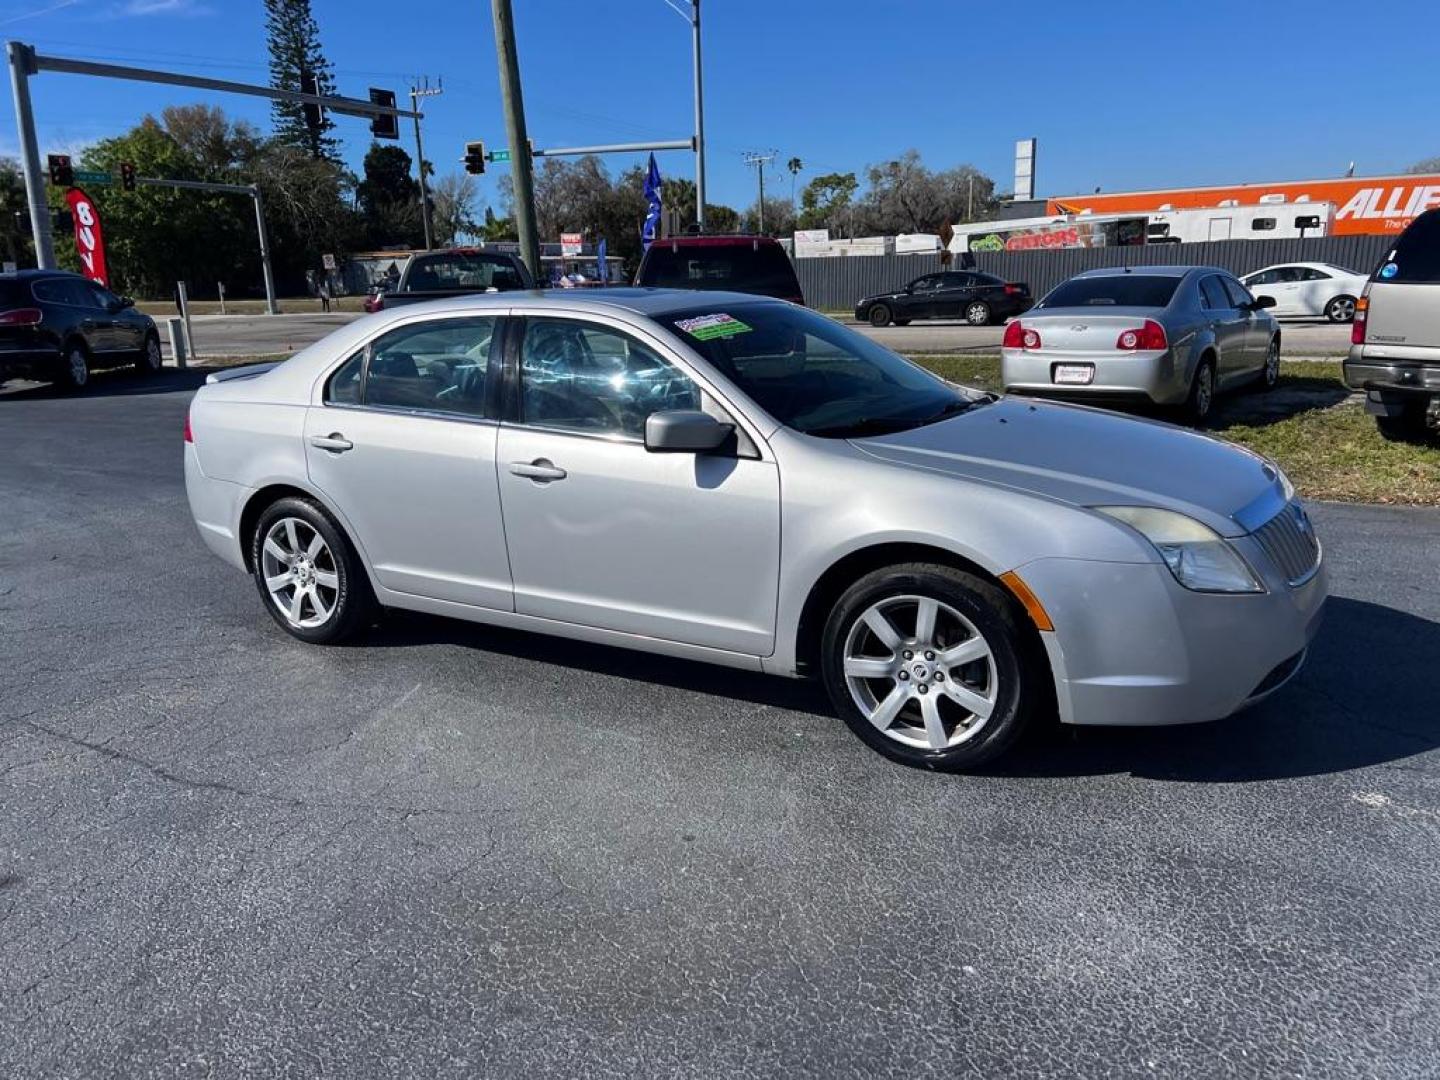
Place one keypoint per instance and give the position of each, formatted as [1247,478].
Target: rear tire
[978,313]
[73,373]
[1201,400]
[880,315]
[1408,426]
[310,577]
[1270,373]
[150,359]
[1341,309]
[967,689]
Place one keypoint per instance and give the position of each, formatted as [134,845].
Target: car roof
[728,240]
[635,300]
[31,275]
[1151,271]
[1312,265]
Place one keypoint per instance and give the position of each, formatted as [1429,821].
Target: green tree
[825,199]
[15,243]
[1429,165]
[293,38]
[389,199]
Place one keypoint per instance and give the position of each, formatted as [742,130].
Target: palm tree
[794,165]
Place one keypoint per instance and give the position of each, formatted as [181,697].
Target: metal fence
[835,284]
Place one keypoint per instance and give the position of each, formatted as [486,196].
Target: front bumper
[1132,647]
[1156,377]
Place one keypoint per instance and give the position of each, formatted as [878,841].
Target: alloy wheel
[79,368]
[1204,391]
[153,359]
[1342,309]
[920,672]
[1272,364]
[300,572]
[977,314]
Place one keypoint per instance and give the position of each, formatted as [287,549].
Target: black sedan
[979,299]
[58,327]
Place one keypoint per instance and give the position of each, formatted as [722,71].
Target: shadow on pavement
[1363,698]
[122,382]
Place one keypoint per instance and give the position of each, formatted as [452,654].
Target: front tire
[310,578]
[930,666]
[1341,309]
[978,313]
[880,315]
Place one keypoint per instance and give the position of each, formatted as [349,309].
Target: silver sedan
[1157,335]
[744,482]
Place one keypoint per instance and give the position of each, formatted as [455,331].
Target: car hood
[896,295]
[1087,457]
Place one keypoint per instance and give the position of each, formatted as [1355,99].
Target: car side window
[98,297]
[1309,273]
[1265,277]
[958,281]
[1239,295]
[1288,274]
[925,284]
[1212,295]
[51,292]
[344,386]
[434,366]
[587,378]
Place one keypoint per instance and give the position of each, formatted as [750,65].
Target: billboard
[1364,204]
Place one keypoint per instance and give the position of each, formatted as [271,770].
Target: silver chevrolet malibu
[1156,335]
[745,482]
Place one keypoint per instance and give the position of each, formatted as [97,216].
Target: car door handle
[540,470]
[334,442]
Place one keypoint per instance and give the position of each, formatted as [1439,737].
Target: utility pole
[520,163]
[758,161]
[416,93]
[22,66]
[699,120]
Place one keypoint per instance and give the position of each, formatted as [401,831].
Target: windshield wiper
[866,425]
[955,408]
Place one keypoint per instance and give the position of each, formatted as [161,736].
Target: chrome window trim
[424,414]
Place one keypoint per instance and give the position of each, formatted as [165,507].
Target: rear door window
[1239,295]
[1212,294]
[762,269]
[1416,257]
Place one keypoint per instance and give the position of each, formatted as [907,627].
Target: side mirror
[685,431]
[1263,302]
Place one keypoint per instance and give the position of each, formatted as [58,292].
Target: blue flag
[652,196]
[602,262]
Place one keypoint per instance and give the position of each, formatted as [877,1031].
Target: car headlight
[1198,556]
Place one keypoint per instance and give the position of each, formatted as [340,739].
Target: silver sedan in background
[1156,335]
[744,482]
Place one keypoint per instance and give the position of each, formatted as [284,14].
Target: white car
[1309,290]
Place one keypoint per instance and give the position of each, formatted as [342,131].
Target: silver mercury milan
[745,482]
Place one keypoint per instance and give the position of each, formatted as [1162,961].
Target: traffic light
[475,158]
[386,126]
[312,111]
[62,174]
[127,176]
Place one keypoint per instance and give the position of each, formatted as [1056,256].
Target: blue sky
[1121,95]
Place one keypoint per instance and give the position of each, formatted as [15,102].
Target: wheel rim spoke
[327,578]
[969,700]
[279,581]
[925,621]
[884,713]
[864,667]
[934,726]
[297,600]
[317,545]
[966,652]
[273,548]
[291,535]
[881,627]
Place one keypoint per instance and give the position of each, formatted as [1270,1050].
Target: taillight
[1012,290]
[189,435]
[1019,337]
[25,316]
[1149,337]
[1357,325]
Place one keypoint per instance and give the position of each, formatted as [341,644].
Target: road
[449,850]
[246,335]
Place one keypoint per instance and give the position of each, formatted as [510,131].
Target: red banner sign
[89,240]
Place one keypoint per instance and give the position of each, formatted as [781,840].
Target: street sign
[328,261]
[571,243]
[86,176]
[498,155]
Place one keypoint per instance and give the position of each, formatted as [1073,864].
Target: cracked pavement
[450,850]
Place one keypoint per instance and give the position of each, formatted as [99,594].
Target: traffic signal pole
[22,66]
[520,165]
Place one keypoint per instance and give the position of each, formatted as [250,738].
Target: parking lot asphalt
[244,335]
[449,850]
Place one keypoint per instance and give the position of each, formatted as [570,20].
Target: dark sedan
[57,327]
[979,299]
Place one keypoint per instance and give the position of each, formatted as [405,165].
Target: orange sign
[1363,204]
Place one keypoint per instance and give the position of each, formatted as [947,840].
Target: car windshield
[814,375]
[462,270]
[1117,290]
[763,269]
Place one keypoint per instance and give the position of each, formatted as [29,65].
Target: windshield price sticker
[705,327]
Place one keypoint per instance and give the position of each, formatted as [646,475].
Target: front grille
[1289,540]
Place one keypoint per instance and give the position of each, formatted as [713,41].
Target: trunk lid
[1085,330]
